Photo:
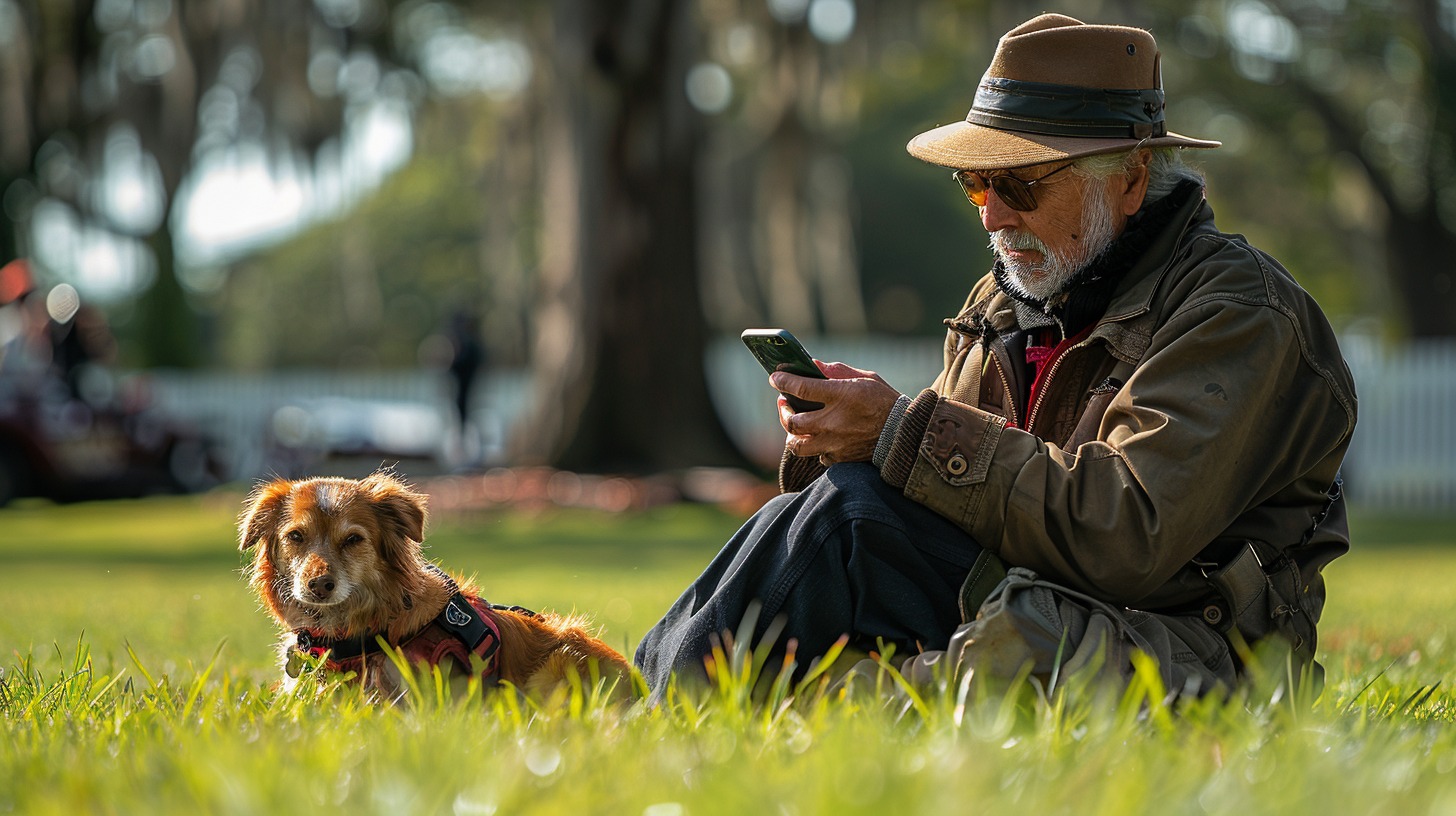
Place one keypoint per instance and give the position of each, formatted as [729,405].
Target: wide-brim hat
[1059,89]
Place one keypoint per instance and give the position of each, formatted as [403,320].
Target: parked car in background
[69,429]
[66,450]
[354,436]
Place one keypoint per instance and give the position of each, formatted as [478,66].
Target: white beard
[1047,279]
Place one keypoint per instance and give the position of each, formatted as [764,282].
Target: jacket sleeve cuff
[903,447]
[887,433]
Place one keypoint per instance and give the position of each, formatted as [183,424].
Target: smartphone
[777,350]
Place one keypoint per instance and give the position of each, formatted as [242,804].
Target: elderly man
[1134,444]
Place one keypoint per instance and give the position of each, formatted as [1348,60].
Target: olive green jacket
[1210,406]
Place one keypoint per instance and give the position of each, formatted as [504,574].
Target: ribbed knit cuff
[796,472]
[887,433]
[905,445]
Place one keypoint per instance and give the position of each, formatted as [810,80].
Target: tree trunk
[168,330]
[1423,248]
[1422,257]
[619,335]
[11,224]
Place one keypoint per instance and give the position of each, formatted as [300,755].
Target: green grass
[165,703]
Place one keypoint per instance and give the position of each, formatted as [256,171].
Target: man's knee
[855,490]
[848,480]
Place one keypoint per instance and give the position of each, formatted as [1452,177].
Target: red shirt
[1042,358]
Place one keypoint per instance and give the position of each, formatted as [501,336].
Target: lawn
[163,574]
[138,673]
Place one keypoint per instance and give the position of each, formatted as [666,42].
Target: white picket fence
[259,417]
[1404,452]
[1403,456]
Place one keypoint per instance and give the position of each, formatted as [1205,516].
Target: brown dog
[338,564]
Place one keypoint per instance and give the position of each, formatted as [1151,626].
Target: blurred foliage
[110,104]
[368,289]
[1282,178]
[1336,117]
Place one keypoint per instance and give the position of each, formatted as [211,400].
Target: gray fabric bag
[1032,626]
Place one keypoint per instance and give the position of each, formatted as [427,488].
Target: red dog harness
[465,627]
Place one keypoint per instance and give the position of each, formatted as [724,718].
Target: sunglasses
[1014,192]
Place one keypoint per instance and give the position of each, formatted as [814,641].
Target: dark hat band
[1067,110]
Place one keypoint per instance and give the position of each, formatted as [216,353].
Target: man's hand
[846,429]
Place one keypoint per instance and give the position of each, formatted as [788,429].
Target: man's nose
[997,216]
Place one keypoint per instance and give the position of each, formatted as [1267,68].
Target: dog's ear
[262,512]
[398,504]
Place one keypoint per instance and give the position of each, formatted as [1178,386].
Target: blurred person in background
[67,430]
[22,323]
[81,346]
[467,362]
[1134,445]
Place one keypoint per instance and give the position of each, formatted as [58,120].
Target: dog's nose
[322,586]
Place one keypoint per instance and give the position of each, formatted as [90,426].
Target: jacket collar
[1123,280]
[1127,337]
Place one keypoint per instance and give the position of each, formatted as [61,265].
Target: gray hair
[1166,170]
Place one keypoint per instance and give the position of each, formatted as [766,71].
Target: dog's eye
[353,538]
[295,536]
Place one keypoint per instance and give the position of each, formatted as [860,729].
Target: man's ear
[1136,189]
[398,504]
[264,508]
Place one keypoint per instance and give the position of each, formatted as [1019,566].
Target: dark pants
[849,555]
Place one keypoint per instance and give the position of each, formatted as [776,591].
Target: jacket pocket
[959,447]
[1090,423]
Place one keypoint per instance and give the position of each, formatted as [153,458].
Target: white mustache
[1005,240]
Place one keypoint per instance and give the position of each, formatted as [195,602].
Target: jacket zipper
[1005,388]
[1046,383]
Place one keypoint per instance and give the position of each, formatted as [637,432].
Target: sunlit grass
[166,703]
[163,574]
